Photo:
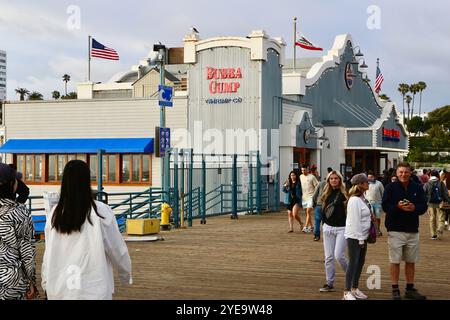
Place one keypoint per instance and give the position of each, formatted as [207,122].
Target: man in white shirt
[375,197]
[309,183]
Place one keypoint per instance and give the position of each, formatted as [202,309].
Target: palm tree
[414,88]
[383,96]
[403,88]
[422,86]
[66,78]
[56,95]
[22,92]
[408,102]
[35,96]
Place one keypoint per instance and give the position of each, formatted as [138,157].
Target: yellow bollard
[166,210]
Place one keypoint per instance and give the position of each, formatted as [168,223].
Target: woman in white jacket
[356,232]
[82,243]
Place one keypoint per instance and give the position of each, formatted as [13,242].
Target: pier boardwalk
[255,257]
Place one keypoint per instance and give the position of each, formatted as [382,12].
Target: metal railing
[147,204]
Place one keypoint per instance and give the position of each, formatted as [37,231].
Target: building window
[30,166]
[93,166]
[135,168]
[109,168]
[126,168]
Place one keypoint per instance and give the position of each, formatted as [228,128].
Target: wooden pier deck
[254,257]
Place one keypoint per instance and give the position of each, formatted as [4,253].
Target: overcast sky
[44,40]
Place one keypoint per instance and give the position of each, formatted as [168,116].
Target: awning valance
[110,145]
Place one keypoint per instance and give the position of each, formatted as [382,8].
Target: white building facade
[324,114]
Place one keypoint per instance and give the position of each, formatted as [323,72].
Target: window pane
[71,157]
[29,168]
[126,168]
[105,159]
[145,168]
[112,168]
[82,157]
[136,167]
[93,166]
[37,167]
[52,167]
[61,164]
[20,163]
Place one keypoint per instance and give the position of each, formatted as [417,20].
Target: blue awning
[110,145]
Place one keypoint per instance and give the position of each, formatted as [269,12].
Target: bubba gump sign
[216,77]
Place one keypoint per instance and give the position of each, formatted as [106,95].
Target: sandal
[290,231]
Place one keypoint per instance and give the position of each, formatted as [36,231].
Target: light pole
[161,49]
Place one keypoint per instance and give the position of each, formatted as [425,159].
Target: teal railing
[147,204]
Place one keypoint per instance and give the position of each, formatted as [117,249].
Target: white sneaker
[349,296]
[359,295]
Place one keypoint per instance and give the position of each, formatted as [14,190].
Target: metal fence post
[258,184]
[250,169]
[175,189]
[166,194]
[234,188]
[221,198]
[100,153]
[131,206]
[150,202]
[191,165]
[203,190]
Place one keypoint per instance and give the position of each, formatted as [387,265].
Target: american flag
[379,80]
[100,51]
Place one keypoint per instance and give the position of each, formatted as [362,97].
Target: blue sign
[165,96]
[164,141]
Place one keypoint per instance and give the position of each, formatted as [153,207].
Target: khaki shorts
[403,246]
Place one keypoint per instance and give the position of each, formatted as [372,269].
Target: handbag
[373,230]
[444,205]
[328,210]
[372,233]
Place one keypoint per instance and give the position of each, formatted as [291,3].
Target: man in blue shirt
[403,201]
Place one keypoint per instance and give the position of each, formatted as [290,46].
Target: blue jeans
[317,220]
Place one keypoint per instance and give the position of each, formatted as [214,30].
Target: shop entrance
[301,156]
[363,160]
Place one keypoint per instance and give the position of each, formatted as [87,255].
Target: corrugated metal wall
[90,118]
[244,115]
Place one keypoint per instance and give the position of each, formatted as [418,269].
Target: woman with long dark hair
[17,250]
[293,199]
[82,242]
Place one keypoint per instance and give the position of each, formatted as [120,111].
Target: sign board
[245,179]
[165,96]
[162,139]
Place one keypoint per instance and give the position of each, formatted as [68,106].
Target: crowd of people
[349,207]
[346,209]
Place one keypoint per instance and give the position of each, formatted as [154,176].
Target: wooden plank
[254,257]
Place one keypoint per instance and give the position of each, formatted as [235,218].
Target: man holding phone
[403,201]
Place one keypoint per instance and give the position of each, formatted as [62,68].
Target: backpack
[435,193]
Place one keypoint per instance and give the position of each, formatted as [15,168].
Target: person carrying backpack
[436,192]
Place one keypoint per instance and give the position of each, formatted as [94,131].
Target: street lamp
[359,53]
[161,49]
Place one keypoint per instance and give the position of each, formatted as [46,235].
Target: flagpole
[295,39]
[378,66]
[89,59]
